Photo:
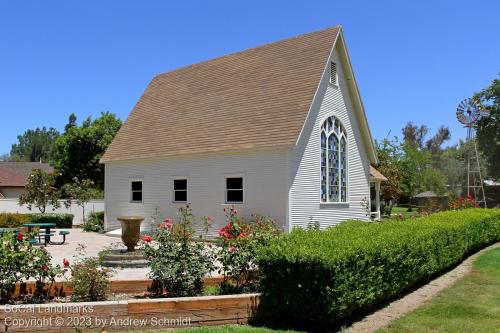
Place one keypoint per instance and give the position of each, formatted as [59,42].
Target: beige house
[278,129]
[14,176]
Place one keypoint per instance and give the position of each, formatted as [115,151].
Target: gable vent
[333,73]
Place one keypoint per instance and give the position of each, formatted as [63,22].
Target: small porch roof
[376,176]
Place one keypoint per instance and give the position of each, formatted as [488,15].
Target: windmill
[469,112]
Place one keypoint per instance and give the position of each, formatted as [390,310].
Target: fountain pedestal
[131,233]
[131,230]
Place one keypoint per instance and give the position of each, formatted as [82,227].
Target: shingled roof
[15,174]
[257,98]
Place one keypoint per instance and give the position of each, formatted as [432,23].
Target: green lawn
[470,305]
[402,210]
[230,329]
[226,329]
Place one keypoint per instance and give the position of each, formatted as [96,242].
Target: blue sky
[413,60]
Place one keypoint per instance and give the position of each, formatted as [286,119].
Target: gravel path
[410,302]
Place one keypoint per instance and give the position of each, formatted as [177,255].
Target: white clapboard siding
[304,167]
[265,186]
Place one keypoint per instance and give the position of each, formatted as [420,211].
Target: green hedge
[312,279]
[17,220]
[61,220]
[12,220]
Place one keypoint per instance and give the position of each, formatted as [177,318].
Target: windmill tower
[468,113]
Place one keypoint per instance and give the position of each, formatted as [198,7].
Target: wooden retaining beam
[136,314]
[64,288]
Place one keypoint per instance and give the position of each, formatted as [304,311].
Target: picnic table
[46,226]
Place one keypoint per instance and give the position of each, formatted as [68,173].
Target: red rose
[231,249]
[20,237]
[45,267]
[147,238]
[66,262]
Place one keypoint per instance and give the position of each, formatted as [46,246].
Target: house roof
[255,99]
[426,194]
[375,175]
[15,174]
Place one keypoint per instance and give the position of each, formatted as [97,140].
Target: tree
[35,145]
[418,173]
[80,148]
[81,191]
[488,129]
[451,164]
[414,164]
[71,122]
[389,156]
[434,144]
[40,191]
[414,134]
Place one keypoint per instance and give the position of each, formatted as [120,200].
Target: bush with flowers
[178,261]
[89,279]
[19,261]
[463,203]
[239,244]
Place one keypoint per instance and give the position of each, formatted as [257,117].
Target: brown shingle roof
[16,174]
[257,98]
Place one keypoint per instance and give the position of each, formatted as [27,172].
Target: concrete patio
[94,243]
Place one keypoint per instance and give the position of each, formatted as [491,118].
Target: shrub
[178,261]
[61,220]
[19,261]
[90,281]
[94,222]
[239,244]
[317,278]
[12,220]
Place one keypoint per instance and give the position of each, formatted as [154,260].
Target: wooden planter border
[140,314]
[64,288]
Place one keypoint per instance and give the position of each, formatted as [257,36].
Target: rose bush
[178,261]
[239,244]
[463,203]
[19,261]
[89,279]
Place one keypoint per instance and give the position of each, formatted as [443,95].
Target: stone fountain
[131,233]
[131,230]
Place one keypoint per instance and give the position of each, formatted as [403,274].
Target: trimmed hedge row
[10,220]
[311,279]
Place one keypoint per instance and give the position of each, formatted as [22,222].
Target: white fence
[12,206]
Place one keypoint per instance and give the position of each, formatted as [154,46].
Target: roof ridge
[338,26]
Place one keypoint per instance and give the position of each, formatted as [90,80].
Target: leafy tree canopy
[40,191]
[80,148]
[488,129]
[390,156]
[34,145]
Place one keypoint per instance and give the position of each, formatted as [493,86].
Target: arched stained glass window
[333,161]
